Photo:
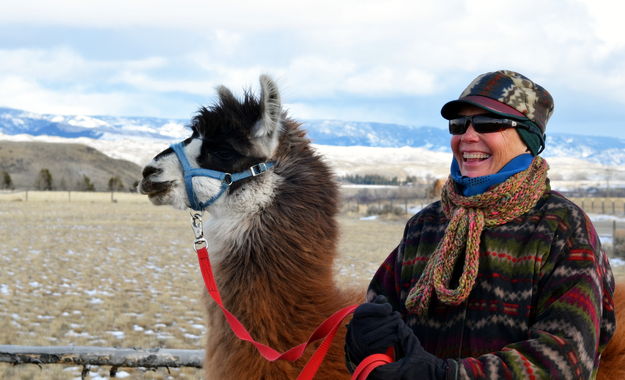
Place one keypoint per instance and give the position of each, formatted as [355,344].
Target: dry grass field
[101,273]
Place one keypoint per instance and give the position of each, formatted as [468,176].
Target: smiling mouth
[474,157]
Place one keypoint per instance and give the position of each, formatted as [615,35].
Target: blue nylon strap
[226,179]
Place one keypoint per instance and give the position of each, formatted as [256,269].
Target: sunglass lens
[489,124]
[458,126]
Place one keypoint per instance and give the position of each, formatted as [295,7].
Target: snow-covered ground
[566,173]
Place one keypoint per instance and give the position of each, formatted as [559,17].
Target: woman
[503,278]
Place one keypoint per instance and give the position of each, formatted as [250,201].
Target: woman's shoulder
[556,203]
[556,206]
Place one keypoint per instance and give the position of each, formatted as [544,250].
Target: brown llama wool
[272,236]
[612,366]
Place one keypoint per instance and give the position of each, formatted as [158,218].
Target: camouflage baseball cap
[510,94]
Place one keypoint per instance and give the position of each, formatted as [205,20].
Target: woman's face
[480,154]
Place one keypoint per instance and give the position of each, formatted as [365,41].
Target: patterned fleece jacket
[541,307]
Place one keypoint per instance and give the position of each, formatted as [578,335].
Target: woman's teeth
[475,156]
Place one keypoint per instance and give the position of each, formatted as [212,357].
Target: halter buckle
[258,169]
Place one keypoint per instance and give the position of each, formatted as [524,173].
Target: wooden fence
[71,196]
[101,356]
[609,206]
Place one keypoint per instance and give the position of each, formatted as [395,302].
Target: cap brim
[450,110]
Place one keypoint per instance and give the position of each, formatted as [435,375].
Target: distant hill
[350,147]
[162,132]
[67,162]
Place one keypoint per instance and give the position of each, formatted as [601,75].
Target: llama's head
[231,137]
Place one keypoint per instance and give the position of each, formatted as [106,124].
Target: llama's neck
[281,235]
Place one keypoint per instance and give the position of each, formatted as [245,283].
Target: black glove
[416,363]
[372,330]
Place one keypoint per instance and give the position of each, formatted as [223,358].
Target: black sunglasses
[481,124]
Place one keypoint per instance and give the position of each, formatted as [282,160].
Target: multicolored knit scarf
[468,216]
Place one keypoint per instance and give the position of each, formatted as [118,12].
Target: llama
[272,237]
[612,366]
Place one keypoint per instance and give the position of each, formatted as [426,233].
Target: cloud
[51,64]
[24,94]
[324,52]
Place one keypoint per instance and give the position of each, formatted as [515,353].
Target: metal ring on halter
[228,179]
[199,244]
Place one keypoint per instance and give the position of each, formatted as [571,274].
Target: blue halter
[227,179]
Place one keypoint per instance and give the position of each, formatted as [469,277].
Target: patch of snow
[117,334]
[371,217]
[602,217]
[617,262]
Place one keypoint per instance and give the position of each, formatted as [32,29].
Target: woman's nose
[470,134]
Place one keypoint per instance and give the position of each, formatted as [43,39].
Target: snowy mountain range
[137,139]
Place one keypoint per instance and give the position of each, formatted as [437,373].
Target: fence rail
[101,356]
[71,196]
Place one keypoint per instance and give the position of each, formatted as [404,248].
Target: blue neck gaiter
[478,185]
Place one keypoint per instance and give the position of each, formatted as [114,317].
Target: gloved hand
[375,327]
[372,330]
[416,363]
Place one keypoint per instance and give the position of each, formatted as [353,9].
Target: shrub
[115,184]
[6,182]
[86,184]
[385,210]
[44,180]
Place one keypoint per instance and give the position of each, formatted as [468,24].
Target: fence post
[592,205]
[614,238]
[26,196]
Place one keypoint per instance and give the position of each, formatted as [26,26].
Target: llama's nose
[149,170]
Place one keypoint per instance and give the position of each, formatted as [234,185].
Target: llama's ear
[224,93]
[271,108]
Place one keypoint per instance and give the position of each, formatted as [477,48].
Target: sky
[391,61]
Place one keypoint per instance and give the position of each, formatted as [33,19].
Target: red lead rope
[325,331]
